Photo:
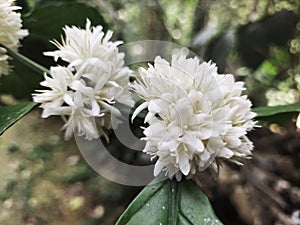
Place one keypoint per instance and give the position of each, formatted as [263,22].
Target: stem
[173,202]
[26,61]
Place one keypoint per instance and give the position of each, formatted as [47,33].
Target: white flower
[11,32]
[88,88]
[195,116]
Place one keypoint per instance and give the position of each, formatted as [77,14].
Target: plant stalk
[26,61]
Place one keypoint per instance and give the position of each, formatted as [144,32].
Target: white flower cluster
[88,88]
[195,115]
[11,32]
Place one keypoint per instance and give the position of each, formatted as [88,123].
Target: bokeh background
[45,181]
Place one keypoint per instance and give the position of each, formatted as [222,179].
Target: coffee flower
[195,116]
[86,91]
[11,32]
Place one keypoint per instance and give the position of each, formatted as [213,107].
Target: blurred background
[45,181]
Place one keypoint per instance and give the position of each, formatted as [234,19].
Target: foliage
[12,113]
[265,111]
[171,203]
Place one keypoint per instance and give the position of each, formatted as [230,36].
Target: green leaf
[48,20]
[274,110]
[170,203]
[12,113]
[24,4]
[21,82]
[24,78]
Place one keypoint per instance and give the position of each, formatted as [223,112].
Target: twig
[26,61]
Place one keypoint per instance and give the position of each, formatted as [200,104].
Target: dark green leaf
[274,110]
[48,20]
[11,114]
[21,82]
[24,77]
[170,203]
[23,4]
[45,2]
